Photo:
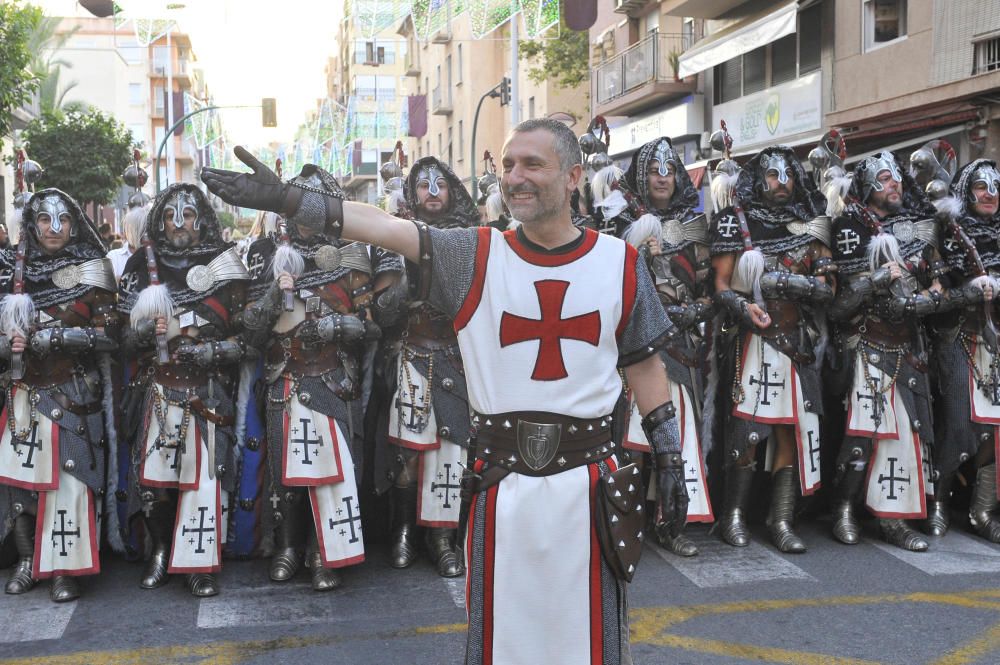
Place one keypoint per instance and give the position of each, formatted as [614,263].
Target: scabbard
[468,481]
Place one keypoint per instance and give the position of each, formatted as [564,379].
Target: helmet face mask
[180,203]
[988,175]
[433,178]
[872,167]
[56,210]
[666,156]
[778,163]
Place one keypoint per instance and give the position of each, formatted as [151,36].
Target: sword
[286,241]
[17,359]
[163,355]
[469,476]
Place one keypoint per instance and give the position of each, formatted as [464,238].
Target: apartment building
[454,70]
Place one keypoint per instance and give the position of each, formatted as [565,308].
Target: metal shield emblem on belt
[537,443]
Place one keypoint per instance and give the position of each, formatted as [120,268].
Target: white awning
[738,39]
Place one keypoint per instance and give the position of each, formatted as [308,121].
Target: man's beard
[182,240]
[772,200]
[545,207]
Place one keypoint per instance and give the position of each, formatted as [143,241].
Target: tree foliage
[16,82]
[44,44]
[564,60]
[83,152]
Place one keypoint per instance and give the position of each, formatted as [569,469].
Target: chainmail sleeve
[453,258]
[648,327]
[312,211]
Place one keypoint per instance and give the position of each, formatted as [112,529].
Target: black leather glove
[672,491]
[260,190]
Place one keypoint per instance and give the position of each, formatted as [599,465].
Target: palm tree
[44,45]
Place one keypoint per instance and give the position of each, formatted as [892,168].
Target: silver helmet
[180,201]
[871,167]
[986,173]
[665,155]
[433,176]
[778,162]
[56,208]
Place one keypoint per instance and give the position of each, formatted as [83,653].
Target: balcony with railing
[441,101]
[642,76]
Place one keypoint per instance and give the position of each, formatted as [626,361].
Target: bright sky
[250,49]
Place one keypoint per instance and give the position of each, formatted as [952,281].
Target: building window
[158,100]
[440,144]
[451,154]
[459,72]
[135,93]
[780,61]
[531,108]
[447,66]
[987,55]
[461,140]
[884,22]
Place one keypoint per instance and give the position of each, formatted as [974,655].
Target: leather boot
[64,589]
[984,500]
[160,525]
[441,549]
[202,585]
[845,523]
[733,523]
[897,532]
[938,520]
[404,527]
[781,516]
[287,536]
[323,578]
[20,580]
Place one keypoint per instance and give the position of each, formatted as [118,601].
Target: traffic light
[505,91]
[268,112]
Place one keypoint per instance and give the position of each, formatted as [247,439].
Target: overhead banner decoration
[203,128]
[537,15]
[433,16]
[329,132]
[373,16]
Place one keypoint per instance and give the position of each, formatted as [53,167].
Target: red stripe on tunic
[596,614]
[478,280]
[217,308]
[489,556]
[629,288]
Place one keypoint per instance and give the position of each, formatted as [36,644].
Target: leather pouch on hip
[620,520]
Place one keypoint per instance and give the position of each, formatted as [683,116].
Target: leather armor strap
[198,407]
[73,407]
[425,263]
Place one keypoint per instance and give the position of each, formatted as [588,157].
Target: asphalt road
[870,603]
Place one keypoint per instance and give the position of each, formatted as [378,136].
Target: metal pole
[170,133]
[171,162]
[495,92]
[515,102]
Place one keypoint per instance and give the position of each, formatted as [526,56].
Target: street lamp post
[494,92]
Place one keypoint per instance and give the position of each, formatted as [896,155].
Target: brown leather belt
[424,324]
[180,377]
[784,315]
[199,408]
[73,407]
[48,371]
[304,359]
[886,332]
[537,443]
[431,343]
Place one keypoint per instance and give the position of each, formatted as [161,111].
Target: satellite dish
[563,117]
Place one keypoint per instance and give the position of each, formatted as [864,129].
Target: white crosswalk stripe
[38,618]
[720,565]
[956,553]
[456,588]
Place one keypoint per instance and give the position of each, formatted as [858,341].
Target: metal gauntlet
[661,429]
[390,305]
[736,305]
[961,297]
[686,317]
[789,286]
[261,314]
[664,438]
[208,354]
[857,292]
[332,328]
[71,340]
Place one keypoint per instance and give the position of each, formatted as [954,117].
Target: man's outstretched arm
[263,190]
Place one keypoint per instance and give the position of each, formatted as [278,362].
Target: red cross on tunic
[550,330]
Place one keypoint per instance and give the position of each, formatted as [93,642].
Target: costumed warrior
[310,297]
[772,263]
[885,244]
[674,241]
[603,196]
[966,358]
[58,447]
[542,324]
[427,428]
[182,294]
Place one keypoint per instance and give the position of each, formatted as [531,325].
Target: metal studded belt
[537,443]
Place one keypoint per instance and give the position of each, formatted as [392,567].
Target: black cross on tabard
[893,479]
[728,227]
[767,384]
[349,520]
[62,533]
[447,485]
[876,401]
[848,241]
[813,450]
[32,443]
[692,481]
[200,530]
[175,447]
[402,407]
[305,441]
[255,265]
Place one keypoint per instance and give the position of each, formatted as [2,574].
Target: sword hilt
[288,300]
[17,366]
[162,353]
